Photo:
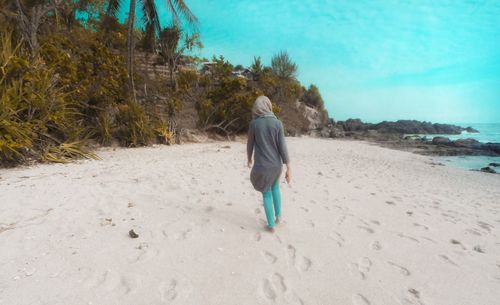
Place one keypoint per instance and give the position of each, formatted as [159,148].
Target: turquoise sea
[487,133]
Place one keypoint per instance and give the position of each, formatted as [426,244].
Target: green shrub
[36,114]
[312,97]
[134,127]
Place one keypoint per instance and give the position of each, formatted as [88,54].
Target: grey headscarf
[262,107]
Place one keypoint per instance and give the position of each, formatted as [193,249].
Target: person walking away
[266,142]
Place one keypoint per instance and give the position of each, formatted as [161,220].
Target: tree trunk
[131,47]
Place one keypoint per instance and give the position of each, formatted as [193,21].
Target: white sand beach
[362,225]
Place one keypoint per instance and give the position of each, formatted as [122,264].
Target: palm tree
[178,9]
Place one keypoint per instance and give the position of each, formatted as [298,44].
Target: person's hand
[249,164]
[288,175]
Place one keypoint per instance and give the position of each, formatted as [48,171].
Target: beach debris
[131,205]
[320,174]
[132,234]
[226,146]
[409,213]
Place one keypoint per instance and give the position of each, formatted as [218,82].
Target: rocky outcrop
[488,169]
[493,147]
[407,135]
[471,130]
[441,141]
[403,127]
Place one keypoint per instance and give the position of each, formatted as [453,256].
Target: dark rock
[403,127]
[488,169]
[337,132]
[494,164]
[471,130]
[468,143]
[441,141]
[132,234]
[353,125]
[495,147]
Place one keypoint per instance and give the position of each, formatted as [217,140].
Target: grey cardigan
[266,135]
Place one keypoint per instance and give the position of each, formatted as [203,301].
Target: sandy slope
[363,225]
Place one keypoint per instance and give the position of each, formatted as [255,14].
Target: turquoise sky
[376,60]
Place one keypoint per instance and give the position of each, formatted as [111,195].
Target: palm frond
[113,7]
[178,9]
[150,17]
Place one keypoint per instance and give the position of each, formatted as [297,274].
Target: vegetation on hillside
[72,76]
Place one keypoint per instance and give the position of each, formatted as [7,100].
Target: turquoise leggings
[271,196]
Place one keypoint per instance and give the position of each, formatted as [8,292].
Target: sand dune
[363,225]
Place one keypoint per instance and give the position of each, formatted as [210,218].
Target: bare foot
[278,220]
[270,229]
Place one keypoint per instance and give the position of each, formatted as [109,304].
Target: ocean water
[470,162]
[487,133]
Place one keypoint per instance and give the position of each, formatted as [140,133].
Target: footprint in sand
[96,279]
[303,263]
[375,245]
[274,286]
[361,268]
[110,281]
[413,298]
[364,265]
[337,238]
[209,209]
[268,290]
[401,269]
[359,299]
[168,292]
[456,242]
[421,226]
[408,237]
[269,257]
[145,254]
[292,252]
[447,259]
[485,226]
[183,235]
[367,229]
[341,219]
